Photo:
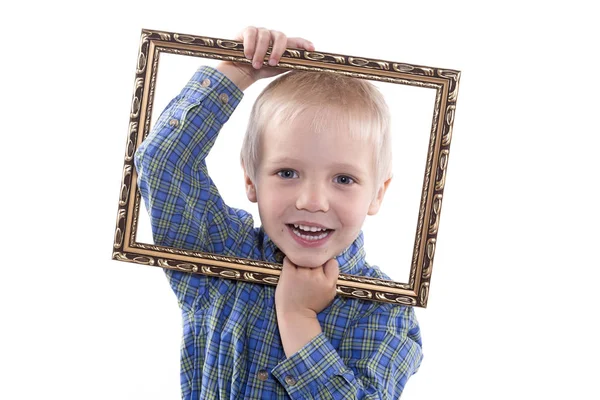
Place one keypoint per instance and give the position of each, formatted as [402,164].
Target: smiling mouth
[309,233]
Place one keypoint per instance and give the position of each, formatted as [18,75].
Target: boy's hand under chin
[300,295]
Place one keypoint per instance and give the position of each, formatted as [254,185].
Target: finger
[285,270]
[279,46]
[300,43]
[308,272]
[331,269]
[288,264]
[248,36]
[263,41]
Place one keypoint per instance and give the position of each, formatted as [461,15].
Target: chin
[307,262]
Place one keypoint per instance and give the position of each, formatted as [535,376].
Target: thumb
[331,269]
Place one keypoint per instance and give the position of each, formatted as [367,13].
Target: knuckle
[265,36]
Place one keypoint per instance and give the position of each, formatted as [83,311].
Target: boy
[316,160]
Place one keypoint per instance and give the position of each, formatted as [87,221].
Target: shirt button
[224,98]
[290,380]
[206,83]
[263,375]
[174,123]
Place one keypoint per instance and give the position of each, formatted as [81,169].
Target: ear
[378,199]
[250,187]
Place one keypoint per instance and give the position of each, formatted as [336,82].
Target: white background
[513,309]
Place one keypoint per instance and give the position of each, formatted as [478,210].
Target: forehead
[347,123]
[318,139]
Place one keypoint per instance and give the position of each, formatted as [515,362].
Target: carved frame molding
[443,81]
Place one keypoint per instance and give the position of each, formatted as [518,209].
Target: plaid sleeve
[184,205]
[374,360]
[185,208]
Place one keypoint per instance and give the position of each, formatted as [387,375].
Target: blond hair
[352,103]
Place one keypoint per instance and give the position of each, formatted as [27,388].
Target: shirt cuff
[311,367]
[218,93]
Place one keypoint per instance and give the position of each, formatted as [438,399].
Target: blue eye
[287,174]
[344,180]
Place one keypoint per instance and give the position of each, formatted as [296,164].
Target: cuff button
[263,375]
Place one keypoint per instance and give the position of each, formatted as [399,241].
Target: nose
[312,197]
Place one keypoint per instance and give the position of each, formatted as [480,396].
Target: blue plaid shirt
[231,345]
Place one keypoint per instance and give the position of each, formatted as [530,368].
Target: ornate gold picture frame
[443,82]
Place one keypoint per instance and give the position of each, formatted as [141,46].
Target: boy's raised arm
[185,207]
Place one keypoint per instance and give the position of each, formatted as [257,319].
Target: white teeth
[309,228]
[310,238]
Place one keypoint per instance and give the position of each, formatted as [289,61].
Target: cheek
[353,211]
[272,202]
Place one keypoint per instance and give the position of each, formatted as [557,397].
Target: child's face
[308,181]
